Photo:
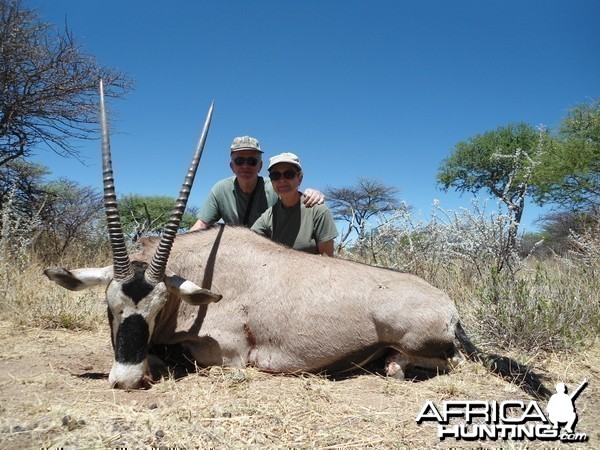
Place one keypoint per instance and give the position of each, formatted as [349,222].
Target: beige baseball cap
[245,143]
[285,158]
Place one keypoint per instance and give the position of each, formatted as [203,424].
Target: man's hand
[199,225]
[313,197]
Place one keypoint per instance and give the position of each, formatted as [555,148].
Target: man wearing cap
[241,199]
[288,221]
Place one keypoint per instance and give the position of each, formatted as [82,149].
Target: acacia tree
[48,86]
[22,182]
[21,201]
[148,214]
[502,162]
[356,205]
[569,176]
[558,227]
[71,214]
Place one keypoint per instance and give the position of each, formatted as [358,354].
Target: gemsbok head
[136,291]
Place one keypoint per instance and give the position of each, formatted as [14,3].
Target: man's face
[241,164]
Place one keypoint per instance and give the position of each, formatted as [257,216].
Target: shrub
[27,297]
[551,306]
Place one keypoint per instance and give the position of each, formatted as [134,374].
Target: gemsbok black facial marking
[138,287]
[132,340]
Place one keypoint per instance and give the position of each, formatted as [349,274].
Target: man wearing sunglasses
[241,199]
[288,221]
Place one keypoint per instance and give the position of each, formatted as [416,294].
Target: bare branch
[48,86]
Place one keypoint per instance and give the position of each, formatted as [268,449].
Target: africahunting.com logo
[508,420]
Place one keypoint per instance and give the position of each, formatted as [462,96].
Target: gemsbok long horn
[156,271]
[121,263]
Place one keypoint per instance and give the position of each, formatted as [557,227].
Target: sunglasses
[240,161]
[287,174]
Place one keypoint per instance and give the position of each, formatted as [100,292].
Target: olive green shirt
[228,202]
[298,227]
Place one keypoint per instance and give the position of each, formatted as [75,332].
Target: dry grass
[53,395]
[55,354]
[28,299]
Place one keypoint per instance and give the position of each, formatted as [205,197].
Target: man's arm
[200,225]
[210,211]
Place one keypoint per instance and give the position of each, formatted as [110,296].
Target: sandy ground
[54,394]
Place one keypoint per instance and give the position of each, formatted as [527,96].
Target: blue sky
[382,89]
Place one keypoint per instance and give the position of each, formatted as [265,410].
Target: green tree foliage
[474,164]
[500,162]
[142,215]
[48,86]
[569,176]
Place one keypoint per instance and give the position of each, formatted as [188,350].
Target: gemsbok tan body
[227,296]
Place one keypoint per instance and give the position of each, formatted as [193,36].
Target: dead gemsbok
[278,309]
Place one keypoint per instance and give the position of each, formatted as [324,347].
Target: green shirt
[227,201]
[298,227]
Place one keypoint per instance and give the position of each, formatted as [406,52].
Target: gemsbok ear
[191,292]
[79,279]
